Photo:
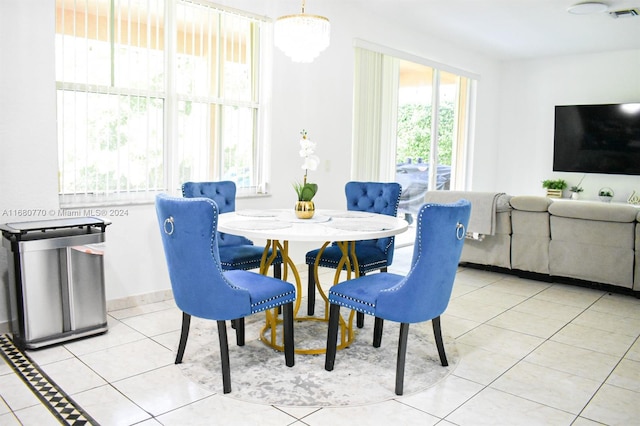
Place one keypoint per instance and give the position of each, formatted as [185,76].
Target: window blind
[152,94]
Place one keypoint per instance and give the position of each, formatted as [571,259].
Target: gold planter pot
[554,193]
[305,209]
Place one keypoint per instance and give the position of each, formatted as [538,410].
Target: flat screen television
[597,139]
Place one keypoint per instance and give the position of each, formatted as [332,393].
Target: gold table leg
[272,320]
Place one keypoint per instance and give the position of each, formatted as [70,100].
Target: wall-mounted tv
[597,139]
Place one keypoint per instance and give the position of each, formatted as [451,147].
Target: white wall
[316,97]
[531,89]
[28,151]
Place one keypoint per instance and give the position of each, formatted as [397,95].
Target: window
[431,130]
[152,94]
[407,117]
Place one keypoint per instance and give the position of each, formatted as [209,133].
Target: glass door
[431,131]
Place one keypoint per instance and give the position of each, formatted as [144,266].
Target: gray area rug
[362,374]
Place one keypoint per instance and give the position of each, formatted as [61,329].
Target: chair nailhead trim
[355,309]
[264,307]
[355,300]
[274,298]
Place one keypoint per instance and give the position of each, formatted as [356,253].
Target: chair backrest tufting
[188,230]
[425,292]
[375,197]
[224,194]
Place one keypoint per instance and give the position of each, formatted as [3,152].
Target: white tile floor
[531,353]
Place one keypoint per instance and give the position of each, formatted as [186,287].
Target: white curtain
[374,111]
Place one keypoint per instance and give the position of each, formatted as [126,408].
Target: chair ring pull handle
[168,225]
[460,233]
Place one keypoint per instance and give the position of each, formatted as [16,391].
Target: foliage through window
[152,94]
[431,130]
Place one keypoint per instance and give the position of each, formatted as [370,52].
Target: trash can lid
[43,225]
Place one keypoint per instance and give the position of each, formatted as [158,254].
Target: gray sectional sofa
[562,240]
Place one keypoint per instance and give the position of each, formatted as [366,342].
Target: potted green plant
[305,191]
[605,194]
[554,187]
[576,190]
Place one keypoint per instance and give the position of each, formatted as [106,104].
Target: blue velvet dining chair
[372,197]
[201,287]
[422,295]
[236,252]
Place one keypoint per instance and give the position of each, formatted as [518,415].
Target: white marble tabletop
[325,225]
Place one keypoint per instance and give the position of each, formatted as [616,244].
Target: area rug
[362,374]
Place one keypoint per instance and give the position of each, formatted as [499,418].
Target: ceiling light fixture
[588,8]
[302,37]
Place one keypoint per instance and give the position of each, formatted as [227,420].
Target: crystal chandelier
[302,37]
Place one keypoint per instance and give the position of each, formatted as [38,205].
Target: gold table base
[268,333]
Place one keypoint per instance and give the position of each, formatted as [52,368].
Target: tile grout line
[604,382]
[65,409]
[522,359]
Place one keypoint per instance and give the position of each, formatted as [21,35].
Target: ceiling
[510,29]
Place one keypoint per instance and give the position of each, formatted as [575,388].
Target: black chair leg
[311,291]
[239,331]
[332,337]
[289,348]
[402,355]
[437,332]
[377,332]
[277,271]
[224,357]
[184,334]
[359,319]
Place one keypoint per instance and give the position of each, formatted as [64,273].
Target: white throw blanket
[483,208]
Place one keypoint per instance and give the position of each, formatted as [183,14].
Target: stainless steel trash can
[56,280]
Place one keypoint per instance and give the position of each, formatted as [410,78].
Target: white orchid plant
[305,190]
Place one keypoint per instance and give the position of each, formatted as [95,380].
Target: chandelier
[302,37]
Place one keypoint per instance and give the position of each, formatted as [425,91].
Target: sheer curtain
[374,112]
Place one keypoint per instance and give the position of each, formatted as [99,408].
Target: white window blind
[152,94]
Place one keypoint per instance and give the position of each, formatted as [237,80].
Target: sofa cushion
[493,250]
[593,233]
[530,203]
[636,280]
[530,223]
[530,239]
[610,265]
[594,211]
[530,253]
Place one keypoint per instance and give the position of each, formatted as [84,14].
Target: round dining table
[279,227]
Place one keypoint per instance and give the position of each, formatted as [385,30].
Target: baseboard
[555,279]
[139,300]
[117,304]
